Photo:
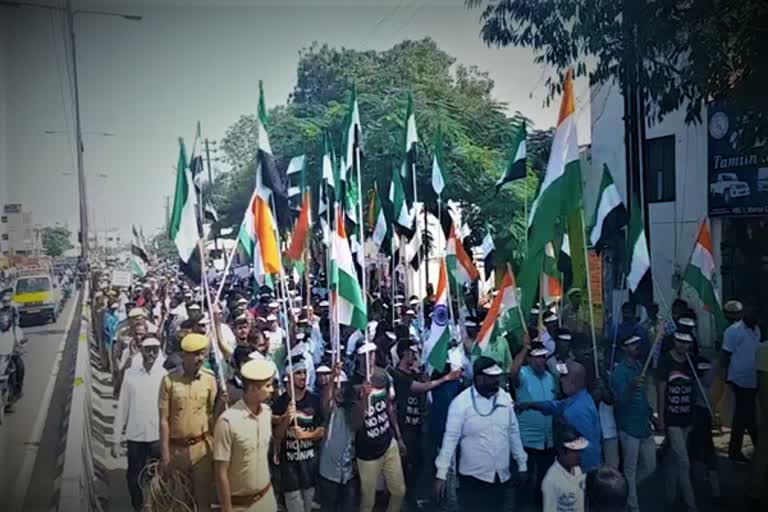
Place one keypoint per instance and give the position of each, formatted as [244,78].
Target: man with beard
[187,405]
[127,345]
[482,422]
[298,420]
[138,414]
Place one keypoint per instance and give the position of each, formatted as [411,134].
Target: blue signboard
[738,180]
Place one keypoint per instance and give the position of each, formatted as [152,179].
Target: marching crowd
[258,404]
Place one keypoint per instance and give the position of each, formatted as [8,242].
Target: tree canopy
[456,97]
[685,53]
[56,240]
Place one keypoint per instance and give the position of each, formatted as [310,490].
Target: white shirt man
[138,414]
[482,420]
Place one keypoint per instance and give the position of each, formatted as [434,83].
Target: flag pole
[228,265]
[283,288]
[589,298]
[417,233]
[361,231]
[307,263]
[214,320]
[392,282]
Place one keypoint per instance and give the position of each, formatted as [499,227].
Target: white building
[18,236]
[683,162]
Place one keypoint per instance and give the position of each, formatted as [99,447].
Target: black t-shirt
[298,459]
[679,399]
[409,405]
[375,436]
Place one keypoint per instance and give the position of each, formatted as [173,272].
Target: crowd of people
[258,404]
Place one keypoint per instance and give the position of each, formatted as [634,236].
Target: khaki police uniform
[188,403]
[242,439]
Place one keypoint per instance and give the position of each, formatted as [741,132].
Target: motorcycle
[11,371]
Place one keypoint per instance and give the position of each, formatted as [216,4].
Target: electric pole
[83,202]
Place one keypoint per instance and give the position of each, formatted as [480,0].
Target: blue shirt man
[632,410]
[110,322]
[577,410]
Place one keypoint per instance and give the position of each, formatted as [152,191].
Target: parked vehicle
[729,187]
[762,179]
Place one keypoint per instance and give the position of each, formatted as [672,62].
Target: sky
[148,82]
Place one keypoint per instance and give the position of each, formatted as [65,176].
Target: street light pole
[70,14]
[83,203]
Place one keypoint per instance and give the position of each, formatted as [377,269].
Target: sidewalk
[113,491]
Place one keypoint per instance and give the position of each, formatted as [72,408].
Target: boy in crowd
[563,485]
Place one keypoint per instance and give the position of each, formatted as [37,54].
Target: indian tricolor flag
[437,345]
[562,174]
[460,264]
[700,272]
[257,235]
[554,202]
[351,308]
[503,302]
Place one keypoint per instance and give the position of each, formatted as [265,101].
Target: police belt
[189,441]
[249,499]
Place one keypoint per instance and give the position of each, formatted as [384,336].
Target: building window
[660,169]
[5,236]
[4,219]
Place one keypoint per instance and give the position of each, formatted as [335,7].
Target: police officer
[187,403]
[241,444]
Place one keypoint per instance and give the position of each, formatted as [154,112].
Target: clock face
[718,125]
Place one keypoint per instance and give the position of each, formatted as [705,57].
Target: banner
[738,177]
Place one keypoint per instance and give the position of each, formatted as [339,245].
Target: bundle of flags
[556,241]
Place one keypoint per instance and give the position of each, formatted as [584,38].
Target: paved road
[36,417]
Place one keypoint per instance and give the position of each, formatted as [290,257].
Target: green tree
[56,240]
[456,97]
[683,53]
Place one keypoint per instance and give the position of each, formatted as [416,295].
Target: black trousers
[539,461]
[412,466]
[476,495]
[743,418]
[337,497]
[139,455]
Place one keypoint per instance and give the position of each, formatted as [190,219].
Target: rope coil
[166,492]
